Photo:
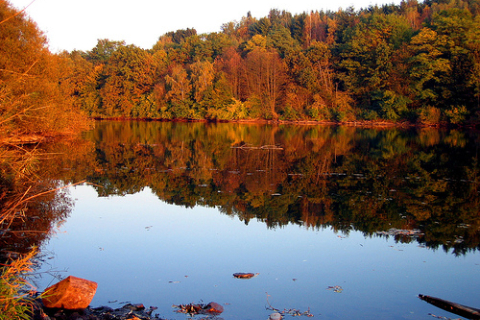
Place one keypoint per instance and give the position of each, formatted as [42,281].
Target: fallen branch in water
[251,147]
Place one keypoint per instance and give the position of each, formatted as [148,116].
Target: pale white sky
[77,24]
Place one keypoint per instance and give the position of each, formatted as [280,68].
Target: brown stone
[70,293]
[213,308]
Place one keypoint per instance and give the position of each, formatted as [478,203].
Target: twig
[291,312]
[23,200]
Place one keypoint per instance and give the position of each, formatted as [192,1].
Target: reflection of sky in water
[141,250]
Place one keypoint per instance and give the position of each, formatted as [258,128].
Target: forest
[409,63]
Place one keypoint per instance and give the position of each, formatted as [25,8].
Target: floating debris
[282,313]
[442,317]
[192,309]
[404,232]
[336,289]
[242,275]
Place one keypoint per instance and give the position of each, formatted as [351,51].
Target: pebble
[275,316]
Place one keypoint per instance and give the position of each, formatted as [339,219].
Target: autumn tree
[202,75]
[178,92]
[34,96]
[265,77]
[130,75]
[232,65]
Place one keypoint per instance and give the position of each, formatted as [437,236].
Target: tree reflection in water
[382,182]
[33,197]
[345,178]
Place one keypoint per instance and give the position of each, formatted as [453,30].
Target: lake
[339,222]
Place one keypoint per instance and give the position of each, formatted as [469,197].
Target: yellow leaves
[257,42]
[202,78]
[426,37]
[178,82]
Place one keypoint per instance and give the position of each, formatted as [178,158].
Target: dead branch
[250,147]
[459,309]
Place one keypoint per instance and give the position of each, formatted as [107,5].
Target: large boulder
[71,293]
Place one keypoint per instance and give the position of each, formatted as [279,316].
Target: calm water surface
[169,212]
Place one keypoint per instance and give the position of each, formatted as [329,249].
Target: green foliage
[261,27]
[179,36]
[390,105]
[456,114]
[104,49]
[289,113]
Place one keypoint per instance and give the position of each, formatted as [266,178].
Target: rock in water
[71,293]
[213,308]
[275,316]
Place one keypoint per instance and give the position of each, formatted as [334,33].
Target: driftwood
[459,309]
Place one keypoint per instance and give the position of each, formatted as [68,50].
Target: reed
[15,290]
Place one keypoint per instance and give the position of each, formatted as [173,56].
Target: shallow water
[143,243]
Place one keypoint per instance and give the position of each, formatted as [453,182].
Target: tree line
[415,62]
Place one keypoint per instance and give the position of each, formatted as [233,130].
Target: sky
[78,24]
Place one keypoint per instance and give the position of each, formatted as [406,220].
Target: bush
[456,114]
[289,114]
[429,115]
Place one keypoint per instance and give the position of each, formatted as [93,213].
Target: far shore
[356,123]
[27,139]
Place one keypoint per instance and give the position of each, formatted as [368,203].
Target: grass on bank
[15,289]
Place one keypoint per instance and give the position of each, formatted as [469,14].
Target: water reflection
[32,196]
[306,207]
[413,185]
[344,178]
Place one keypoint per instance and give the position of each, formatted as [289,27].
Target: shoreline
[356,123]
[34,138]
